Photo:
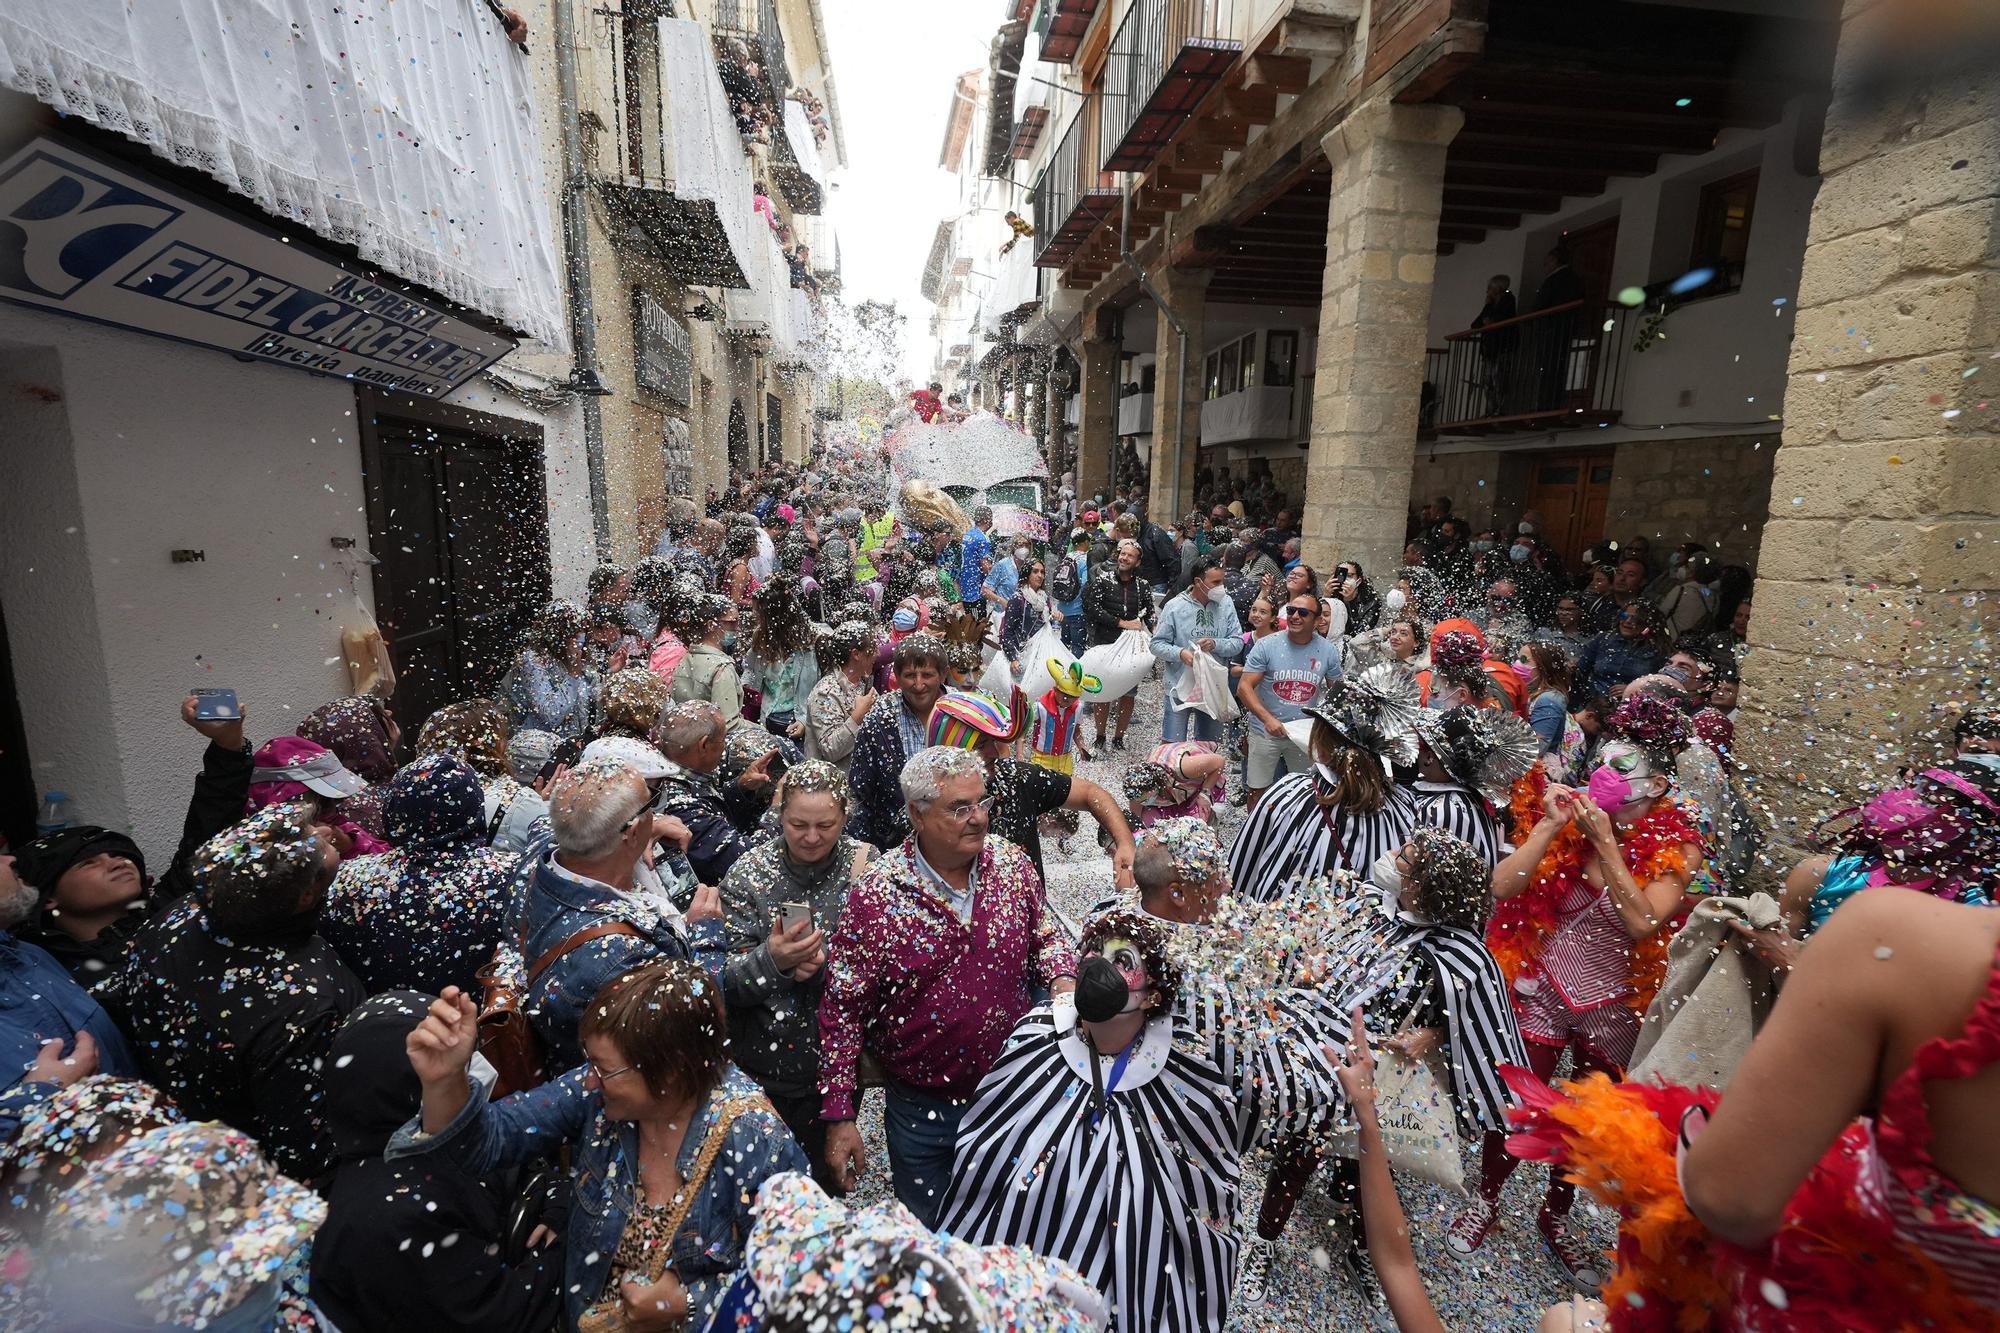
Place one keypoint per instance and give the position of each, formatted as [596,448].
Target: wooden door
[1570,490]
[1591,252]
[458,521]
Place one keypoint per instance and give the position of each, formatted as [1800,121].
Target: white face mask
[1388,880]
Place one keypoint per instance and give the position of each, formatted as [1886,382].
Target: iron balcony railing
[1556,369]
[754,23]
[1164,60]
[1073,194]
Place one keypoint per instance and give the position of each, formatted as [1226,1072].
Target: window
[1281,356]
[1230,374]
[1211,375]
[1722,233]
[1247,350]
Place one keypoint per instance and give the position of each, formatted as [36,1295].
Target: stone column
[1097,418]
[1381,251]
[1056,450]
[1172,488]
[1874,602]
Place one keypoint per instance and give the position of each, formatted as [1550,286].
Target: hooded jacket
[237,1029]
[420,1242]
[428,913]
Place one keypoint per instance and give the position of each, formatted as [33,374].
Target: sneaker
[1361,1274]
[1469,1229]
[1253,1266]
[1583,1264]
[1117,742]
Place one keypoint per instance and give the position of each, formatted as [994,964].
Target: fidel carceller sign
[90,239]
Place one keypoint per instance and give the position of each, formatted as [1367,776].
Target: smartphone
[794,914]
[216,706]
[777,765]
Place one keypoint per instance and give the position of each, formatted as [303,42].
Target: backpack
[1068,582]
[506,1038]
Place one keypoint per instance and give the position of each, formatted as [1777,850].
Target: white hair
[687,725]
[926,771]
[590,807]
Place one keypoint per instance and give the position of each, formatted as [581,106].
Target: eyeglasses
[962,812]
[605,1075]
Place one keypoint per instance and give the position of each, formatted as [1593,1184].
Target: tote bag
[1417,1123]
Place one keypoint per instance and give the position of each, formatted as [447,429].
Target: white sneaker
[1253,1266]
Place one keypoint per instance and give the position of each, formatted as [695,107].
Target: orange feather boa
[1652,847]
[1835,1262]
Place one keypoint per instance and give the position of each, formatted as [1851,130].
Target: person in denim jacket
[585,876]
[655,1085]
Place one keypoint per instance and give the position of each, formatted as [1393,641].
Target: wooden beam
[1256,106]
[1646,109]
[1470,235]
[1192,156]
[1285,74]
[1498,219]
[1597,161]
[1221,131]
[1560,181]
[1167,178]
[1550,131]
[1520,199]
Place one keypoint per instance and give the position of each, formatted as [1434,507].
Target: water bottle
[54,814]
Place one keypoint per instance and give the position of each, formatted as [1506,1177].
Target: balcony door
[1571,491]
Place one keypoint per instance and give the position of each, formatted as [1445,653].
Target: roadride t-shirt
[1295,676]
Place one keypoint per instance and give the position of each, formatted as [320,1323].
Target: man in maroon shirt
[938,954]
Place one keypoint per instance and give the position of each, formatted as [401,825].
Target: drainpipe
[1180,387]
[584,376]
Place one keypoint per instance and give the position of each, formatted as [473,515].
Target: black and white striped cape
[1289,837]
[1376,964]
[1142,1198]
[1460,812]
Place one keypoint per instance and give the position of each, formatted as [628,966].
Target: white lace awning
[404,129]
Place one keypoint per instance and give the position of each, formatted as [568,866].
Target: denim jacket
[708,1248]
[559,904]
[39,1002]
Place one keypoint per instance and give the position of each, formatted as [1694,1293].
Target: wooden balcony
[1165,60]
[1556,369]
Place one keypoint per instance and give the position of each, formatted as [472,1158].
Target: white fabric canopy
[403,129]
[707,158]
[1260,412]
[1013,285]
[805,148]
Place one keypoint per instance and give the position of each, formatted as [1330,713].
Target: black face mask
[1101,992]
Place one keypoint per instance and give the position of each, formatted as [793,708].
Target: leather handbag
[506,1038]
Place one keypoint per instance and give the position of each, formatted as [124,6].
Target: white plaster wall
[1728,352]
[171,447]
[119,448]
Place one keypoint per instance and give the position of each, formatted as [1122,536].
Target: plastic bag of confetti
[1120,664]
[1035,654]
[1204,688]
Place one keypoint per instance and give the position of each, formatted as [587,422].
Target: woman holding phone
[780,903]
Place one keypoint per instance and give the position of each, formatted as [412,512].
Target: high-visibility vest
[873,534]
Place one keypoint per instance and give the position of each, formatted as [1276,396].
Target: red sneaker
[1469,1229]
[1585,1266]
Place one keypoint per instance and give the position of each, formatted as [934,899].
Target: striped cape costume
[1289,837]
[1142,1196]
[1409,972]
[1459,811]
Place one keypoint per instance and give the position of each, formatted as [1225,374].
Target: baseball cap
[318,769]
[628,752]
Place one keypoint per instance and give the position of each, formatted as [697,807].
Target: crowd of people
[563,1010]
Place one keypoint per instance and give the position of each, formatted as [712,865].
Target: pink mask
[1524,672]
[1611,789]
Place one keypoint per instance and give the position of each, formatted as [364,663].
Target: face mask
[1481,548]
[1349,587]
[1388,880]
[1611,789]
[1395,599]
[1524,672]
[1519,554]
[1677,674]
